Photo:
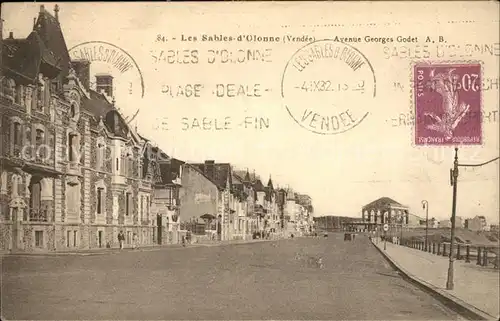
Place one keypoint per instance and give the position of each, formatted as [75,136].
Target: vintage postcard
[249,160]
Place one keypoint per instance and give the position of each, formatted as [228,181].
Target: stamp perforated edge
[413,106]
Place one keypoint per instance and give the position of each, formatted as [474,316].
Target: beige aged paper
[187,60]
[320,96]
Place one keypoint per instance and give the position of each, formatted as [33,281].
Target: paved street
[267,280]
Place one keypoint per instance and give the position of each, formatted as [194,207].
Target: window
[141,210]
[72,111]
[39,136]
[68,238]
[101,154]
[127,163]
[35,189]
[28,134]
[117,165]
[73,197]
[17,134]
[41,97]
[100,200]
[73,147]
[39,238]
[41,93]
[39,141]
[16,138]
[75,242]
[128,200]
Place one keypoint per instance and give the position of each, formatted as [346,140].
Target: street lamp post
[454,177]
[401,231]
[425,206]
[454,180]
[385,232]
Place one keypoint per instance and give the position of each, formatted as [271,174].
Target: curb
[461,307]
[127,250]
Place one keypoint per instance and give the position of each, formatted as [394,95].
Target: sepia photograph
[261,160]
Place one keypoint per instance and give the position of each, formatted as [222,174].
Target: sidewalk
[475,288]
[146,248]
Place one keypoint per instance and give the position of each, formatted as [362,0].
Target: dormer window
[72,111]
[40,95]
[74,147]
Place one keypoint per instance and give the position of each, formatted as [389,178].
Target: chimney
[104,82]
[209,169]
[42,8]
[56,12]
[82,70]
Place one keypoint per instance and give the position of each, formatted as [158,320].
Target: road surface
[267,280]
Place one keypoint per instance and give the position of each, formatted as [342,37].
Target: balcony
[38,215]
[74,168]
[144,185]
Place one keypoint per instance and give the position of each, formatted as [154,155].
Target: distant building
[384,210]
[445,224]
[494,228]
[416,221]
[433,223]
[459,223]
[477,223]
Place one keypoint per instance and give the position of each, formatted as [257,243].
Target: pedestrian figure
[136,241]
[121,238]
[183,240]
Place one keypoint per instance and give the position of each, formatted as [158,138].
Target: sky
[341,172]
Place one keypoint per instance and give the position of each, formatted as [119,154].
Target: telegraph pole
[454,179]
[454,176]
[425,205]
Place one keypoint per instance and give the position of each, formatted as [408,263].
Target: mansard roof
[26,58]
[219,175]
[246,176]
[49,29]
[170,169]
[383,203]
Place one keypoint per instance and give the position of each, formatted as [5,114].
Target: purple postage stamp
[447,98]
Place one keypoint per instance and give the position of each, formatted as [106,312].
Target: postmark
[107,59]
[328,87]
[447,98]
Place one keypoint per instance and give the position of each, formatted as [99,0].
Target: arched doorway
[36,213]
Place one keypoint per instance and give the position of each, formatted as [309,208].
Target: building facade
[165,207]
[73,172]
[384,211]
[478,223]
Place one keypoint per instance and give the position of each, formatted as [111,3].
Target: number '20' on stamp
[448,103]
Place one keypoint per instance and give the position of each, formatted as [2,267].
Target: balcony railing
[38,215]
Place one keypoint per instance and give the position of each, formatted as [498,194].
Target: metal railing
[483,255]
[38,215]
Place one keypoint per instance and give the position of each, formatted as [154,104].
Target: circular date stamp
[113,70]
[328,87]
